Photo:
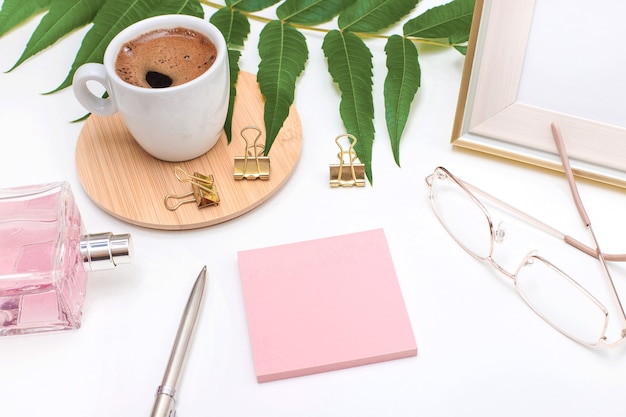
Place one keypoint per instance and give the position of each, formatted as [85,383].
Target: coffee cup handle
[97,105]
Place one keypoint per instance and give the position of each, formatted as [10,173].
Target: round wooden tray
[128,183]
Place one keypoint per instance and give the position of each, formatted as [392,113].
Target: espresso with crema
[165,58]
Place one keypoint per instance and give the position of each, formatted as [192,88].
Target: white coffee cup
[176,123]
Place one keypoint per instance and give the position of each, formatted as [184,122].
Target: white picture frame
[533,62]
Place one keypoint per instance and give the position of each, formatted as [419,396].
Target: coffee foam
[180,54]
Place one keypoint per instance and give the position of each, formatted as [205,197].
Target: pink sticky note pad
[323,305]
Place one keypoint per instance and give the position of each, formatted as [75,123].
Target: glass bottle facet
[43,278]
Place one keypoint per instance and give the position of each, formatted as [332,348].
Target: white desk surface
[481,351]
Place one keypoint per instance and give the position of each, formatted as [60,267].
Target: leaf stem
[262,19]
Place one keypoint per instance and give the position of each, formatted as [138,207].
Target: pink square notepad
[323,305]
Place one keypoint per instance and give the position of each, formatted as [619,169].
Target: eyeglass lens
[461,216]
[560,301]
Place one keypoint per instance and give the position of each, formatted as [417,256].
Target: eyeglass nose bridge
[500,268]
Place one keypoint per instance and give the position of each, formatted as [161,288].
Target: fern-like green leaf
[311,12]
[350,65]
[459,37]
[114,16]
[189,7]
[283,52]
[63,17]
[459,41]
[452,20]
[401,85]
[14,12]
[250,5]
[233,24]
[235,27]
[371,16]
[233,62]
[461,48]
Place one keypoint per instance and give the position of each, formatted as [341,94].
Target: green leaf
[452,20]
[189,7]
[283,52]
[462,49]
[459,37]
[233,24]
[63,17]
[15,12]
[250,5]
[235,27]
[401,85]
[114,16]
[233,62]
[350,65]
[459,41]
[311,12]
[371,16]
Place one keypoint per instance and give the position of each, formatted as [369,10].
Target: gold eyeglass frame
[602,257]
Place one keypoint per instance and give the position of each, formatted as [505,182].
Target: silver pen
[165,403]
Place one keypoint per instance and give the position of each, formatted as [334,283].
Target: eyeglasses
[551,293]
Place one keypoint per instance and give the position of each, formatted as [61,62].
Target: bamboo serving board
[128,183]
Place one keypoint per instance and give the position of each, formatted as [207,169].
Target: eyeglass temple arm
[613,257]
[545,227]
[560,145]
[569,174]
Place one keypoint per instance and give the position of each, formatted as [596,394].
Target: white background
[481,350]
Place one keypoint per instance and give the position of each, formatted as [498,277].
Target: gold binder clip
[252,165]
[202,189]
[350,173]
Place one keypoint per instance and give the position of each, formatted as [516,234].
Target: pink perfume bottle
[45,256]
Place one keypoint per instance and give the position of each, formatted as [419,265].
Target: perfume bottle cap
[105,251]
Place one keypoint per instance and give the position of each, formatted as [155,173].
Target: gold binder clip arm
[260,167]
[352,175]
[202,189]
